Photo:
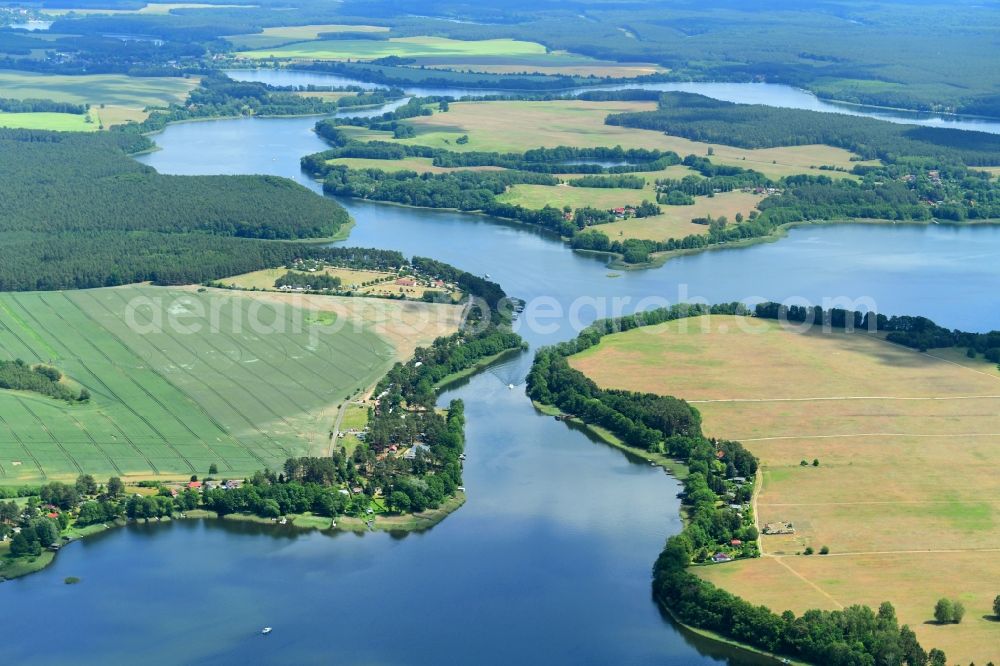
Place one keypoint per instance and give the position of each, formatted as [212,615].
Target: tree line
[40,105]
[916,332]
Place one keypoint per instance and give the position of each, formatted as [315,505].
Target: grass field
[519,125]
[907,493]
[261,381]
[61,122]
[125,97]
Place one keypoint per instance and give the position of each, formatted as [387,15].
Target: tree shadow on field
[992,618]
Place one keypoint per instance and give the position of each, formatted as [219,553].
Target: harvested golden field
[520,125]
[907,490]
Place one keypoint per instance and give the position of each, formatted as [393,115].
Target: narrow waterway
[549,559]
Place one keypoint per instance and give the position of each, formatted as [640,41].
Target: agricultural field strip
[111,392]
[114,396]
[97,446]
[253,425]
[805,580]
[308,368]
[291,402]
[27,451]
[321,377]
[193,402]
[757,499]
[263,404]
[47,431]
[31,353]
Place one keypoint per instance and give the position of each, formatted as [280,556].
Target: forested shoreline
[650,422]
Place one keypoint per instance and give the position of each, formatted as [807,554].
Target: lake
[550,557]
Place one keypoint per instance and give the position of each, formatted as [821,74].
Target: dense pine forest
[115,221]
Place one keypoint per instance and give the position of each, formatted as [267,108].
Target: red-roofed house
[194,485]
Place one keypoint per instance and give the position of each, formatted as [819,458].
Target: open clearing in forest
[261,380]
[124,97]
[517,126]
[907,493]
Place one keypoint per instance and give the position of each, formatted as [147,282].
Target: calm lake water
[549,560]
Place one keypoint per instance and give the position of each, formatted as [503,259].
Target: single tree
[86,485]
[815,462]
[957,611]
[21,546]
[825,550]
[996,607]
[213,469]
[938,658]
[115,487]
[808,550]
[943,611]
[400,501]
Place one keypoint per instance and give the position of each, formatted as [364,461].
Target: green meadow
[60,122]
[168,400]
